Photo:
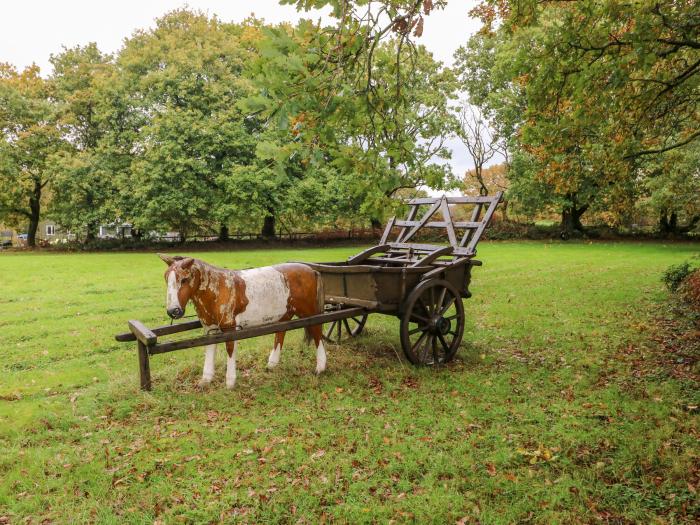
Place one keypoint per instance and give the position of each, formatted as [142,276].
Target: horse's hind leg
[208,372]
[316,332]
[231,347]
[274,359]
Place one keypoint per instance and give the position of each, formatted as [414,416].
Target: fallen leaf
[491,469]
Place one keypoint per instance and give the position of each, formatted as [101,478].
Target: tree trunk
[668,224]
[91,231]
[91,226]
[376,223]
[673,222]
[571,219]
[268,229]
[223,233]
[34,214]
[567,222]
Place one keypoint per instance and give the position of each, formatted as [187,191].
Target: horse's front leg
[231,347]
[209,358]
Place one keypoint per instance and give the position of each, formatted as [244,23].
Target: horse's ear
[167,259]
[187,262]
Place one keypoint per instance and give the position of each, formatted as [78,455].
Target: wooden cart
[422,284]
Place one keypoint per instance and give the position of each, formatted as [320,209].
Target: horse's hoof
[229,386]
[203,383]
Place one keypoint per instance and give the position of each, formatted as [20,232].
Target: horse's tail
[320,303]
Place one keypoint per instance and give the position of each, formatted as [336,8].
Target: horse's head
[182,281]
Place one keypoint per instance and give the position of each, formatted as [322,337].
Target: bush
[690,290]
[675,274]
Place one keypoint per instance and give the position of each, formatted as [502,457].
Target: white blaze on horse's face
[180,281]
[172,303]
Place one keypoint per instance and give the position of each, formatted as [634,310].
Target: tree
[480,141]
[84,188]
[490,180]
[602,87]
[181,83]
[346,50]
[671,190]
[378,143]
[30,141]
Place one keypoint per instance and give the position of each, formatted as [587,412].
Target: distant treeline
[199,126]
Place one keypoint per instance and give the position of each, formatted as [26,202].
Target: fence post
[144,367]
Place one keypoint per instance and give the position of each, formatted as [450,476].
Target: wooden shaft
[440,224]
[428,259]
[144,367]
[387,230]
[162,330]
[256,331]
[142,333]
[356,259]
[452,200]
[476,235]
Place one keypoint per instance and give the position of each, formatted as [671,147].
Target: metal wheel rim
[432,324]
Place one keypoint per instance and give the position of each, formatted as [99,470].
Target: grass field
[554,410]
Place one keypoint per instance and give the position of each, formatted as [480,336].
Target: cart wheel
[433,323]
[341,329]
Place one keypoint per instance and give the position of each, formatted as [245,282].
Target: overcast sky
[31,30]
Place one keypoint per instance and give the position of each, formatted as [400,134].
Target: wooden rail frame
[148,345]
[463,245]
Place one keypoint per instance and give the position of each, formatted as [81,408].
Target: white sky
[31,30]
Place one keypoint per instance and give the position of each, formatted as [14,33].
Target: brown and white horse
[228,299]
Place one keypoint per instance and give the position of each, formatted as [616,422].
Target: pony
[231,299]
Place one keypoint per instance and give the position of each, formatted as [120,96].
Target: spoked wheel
[433,323]
[336,331]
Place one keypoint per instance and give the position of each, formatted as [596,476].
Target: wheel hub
[439,325]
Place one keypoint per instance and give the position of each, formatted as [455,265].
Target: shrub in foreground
[676,274]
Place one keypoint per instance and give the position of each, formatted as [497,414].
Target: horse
[229,299]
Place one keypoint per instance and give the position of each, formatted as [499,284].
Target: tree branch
[664,149]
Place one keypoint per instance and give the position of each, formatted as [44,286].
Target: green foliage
[560,407]
[181,130]
[383,127]
[197,124]
[84,189]
[29,141]
[182,81]
[671,189]
[674,275]
[593,92]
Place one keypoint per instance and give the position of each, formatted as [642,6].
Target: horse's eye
[185,280]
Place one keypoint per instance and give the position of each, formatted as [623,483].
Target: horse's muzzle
[175,313]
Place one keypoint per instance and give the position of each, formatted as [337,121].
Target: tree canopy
[588,93]
[200,125]
[30,141]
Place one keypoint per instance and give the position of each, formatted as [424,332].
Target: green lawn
[547,415]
